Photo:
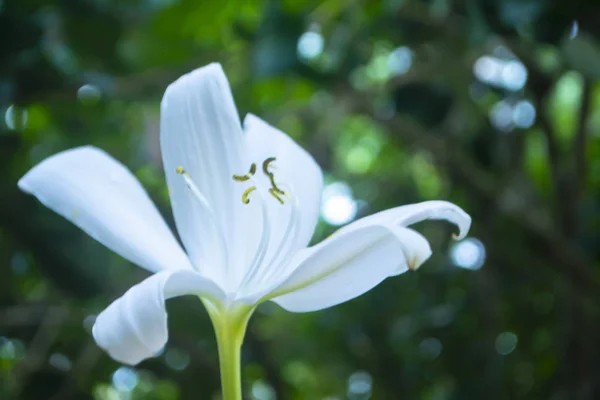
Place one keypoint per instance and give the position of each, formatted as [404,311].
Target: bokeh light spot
[360,385]
[299,374]
[339,210]
[125,379]
[430,348]
[15,117]
[89,94]
[514,75]
[7,349]
[488,69]
[501,116]
[88,322]
[468,253]
[310,45]
[177,359]
[399,61]
[338,207]
[574,30]
[359,159]
[11,350]
[523,114]
[506,342]
[19,264]
[60,362]
[262,391]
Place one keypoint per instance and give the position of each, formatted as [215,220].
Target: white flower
[246,202]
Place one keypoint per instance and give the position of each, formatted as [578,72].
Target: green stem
[230,346]
[230,328]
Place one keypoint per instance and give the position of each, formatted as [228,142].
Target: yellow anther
[243,178]
[275,190]
[180,170]
[275,194]
[266,165]
[245,198]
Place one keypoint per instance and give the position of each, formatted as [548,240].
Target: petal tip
[419,259]
[463,226]
[23,183]
[251,120]
[212,71]
[129,352]
[419,252]
[27,181]
[208,82]
[441,209]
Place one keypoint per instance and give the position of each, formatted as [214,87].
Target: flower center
[259,270]
[274,190]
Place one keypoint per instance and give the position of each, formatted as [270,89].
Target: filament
[187,178]
[263,244]
[259,269]
[274,190]
[287,241]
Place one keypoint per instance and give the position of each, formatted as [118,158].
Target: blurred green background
[493,105]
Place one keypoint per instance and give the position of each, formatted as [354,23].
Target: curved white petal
[201,132]
[98,194]
[295,171]
[348,265]
[413,213]
[134,327]
[360,255]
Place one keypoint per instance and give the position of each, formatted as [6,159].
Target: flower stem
[230,364]
[230,328]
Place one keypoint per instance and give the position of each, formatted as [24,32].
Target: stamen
[260,270]
[263,245]
[206,206]
[288,239]
[275,194]
[266,165]
[245,198]
[275,190]
[295,226]
[244,178]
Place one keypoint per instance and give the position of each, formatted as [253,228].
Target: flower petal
[201,132]
[349,264]
[99,195]
[360,255]
[295,171]
[413,213]
[134,327]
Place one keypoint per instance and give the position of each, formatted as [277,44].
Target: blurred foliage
[491,104]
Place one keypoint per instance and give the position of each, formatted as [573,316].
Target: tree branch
[40,346]
[580,140]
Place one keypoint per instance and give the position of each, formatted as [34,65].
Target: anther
[243,178]
[180,170]
[275,193]
[275,190]
[245,198]
[266,165]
